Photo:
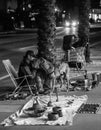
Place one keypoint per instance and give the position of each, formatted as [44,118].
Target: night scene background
[18,33]
[14,12]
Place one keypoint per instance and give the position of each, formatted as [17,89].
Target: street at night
[50,67]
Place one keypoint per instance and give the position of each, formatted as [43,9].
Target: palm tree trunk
[83,31]
[46,29]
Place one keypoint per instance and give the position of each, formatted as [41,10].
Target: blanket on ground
[69,105]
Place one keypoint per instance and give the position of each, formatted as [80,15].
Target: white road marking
[60,32]
[26,48]
[4,77]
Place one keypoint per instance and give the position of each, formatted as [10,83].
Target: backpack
[46,66]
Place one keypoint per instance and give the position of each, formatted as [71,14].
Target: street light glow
[74,23]
[67,23]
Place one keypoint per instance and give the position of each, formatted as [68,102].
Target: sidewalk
[80,121]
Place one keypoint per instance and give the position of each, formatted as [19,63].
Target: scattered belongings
[10,96]
[60,113]
[56,113]
[85,83]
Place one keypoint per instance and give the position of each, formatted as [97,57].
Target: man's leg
[39,84]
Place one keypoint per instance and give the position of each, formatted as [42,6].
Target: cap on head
[30,52]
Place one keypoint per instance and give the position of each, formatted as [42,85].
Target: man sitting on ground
[44,74]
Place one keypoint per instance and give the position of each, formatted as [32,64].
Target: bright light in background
[100,3]
[74,30]
[74,23]
[64,11]
[33,19]
[71,23]
[90,15]
[22,24]
[12,18]
[71,31]
[23,8]
[67,23]
[29,5]
[95,17]
[99,16]
[57,9]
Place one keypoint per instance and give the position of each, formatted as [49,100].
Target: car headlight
[67,23]
[74,23]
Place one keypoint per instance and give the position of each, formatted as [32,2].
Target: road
[13,46]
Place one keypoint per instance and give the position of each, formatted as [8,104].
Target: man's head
[30,55]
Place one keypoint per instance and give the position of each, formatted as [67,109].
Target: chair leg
[18,88]
[29,87]
[77,68]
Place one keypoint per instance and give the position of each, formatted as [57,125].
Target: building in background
[95,11]
[95,15]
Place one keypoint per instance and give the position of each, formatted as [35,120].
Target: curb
[19,31]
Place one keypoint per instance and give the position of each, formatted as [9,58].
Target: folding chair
[76,60]
[14,77]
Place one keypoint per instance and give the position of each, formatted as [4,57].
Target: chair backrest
[67,40]
[11,71]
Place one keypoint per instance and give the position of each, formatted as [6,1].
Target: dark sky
[95,3]
[66,4]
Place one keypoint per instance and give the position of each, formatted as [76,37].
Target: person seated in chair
[25,69]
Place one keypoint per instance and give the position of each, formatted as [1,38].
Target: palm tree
[83,31]
[83,19]
[46,28]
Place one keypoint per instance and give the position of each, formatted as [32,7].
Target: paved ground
[80,121]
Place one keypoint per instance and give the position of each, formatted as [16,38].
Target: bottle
[98,79]
[86,84]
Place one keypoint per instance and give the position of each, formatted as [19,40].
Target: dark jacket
[25,70]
